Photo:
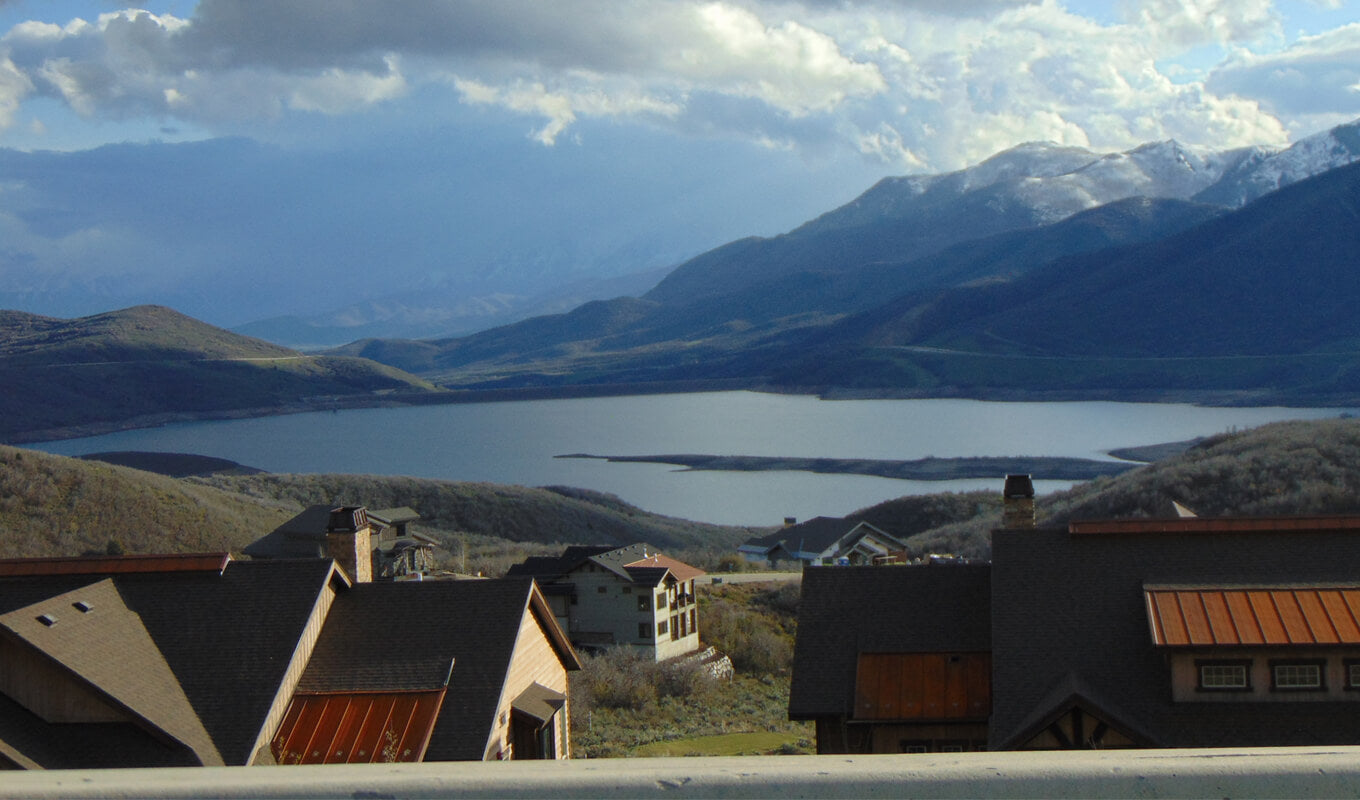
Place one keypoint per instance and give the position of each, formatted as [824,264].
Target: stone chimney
[1018,499]
[349,542]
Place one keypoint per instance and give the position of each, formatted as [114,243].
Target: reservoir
[515,443]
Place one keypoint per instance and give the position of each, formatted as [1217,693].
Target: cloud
[915,84]
[14,86]
[1316,77]
[1186,23]
[561,108]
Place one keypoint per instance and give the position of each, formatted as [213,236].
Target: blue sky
[506,146]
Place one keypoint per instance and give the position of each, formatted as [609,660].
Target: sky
[244,159]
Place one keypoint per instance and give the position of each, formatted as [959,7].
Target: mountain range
[1163,273]
[1043,269]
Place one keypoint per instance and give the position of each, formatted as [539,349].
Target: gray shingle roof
[227,637]
[845,611]
[547,569]
[92,634]
[812,536]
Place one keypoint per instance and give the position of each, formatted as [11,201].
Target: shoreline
[1223,399]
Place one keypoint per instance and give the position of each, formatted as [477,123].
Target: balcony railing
[1256,772]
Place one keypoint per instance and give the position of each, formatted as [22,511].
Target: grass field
[730,744]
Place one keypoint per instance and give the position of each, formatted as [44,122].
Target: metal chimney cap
[1018,486]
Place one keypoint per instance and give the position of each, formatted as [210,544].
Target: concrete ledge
[1261,772]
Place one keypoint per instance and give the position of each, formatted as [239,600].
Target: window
[661,600]
[627,590]
[1224,676]
[644,630]
[602,589]
[661,628]
[1353,674]
[1296,676]
[675,627]
[644,602]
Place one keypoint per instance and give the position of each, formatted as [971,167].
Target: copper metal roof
[357,727]
[114,565]
[1254,616]
[922,686]
[1215,525]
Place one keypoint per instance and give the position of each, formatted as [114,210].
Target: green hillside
[550,516]
[147,365]
[52,505]
[57,506]
[1283,468]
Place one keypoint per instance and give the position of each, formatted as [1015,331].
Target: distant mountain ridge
[147,364]
[781,311]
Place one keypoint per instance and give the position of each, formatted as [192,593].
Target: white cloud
[1313,81]
[1186,23]
[561,108]
[927,84]
[336,91]
[14,86]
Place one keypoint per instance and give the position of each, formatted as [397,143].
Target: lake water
[515,442]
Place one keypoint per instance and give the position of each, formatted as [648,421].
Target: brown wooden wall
[919,686]
[35,682]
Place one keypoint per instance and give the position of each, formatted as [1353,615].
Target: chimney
[789,522]
[1018,499]
[348,541]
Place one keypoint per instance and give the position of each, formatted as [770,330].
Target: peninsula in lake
[921,469]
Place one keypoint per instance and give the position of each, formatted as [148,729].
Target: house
[825,540]
[394,549]
[605,596]
[467,670]
[203,660]
[1178,632]
[894,659]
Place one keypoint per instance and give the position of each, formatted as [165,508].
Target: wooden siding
[357,727]
[534,661]
[41,686]
[1078,729]
[920,686]
[1293,616]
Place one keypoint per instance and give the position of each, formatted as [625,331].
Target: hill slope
[546,515]
[124,367]
[1260,299]
[1282,468]
[56,506]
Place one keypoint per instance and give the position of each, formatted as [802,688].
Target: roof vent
[47,619]
[82,606]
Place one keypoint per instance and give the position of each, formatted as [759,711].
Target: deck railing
[1260,772]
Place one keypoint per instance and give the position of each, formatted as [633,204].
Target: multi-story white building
[605,596]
